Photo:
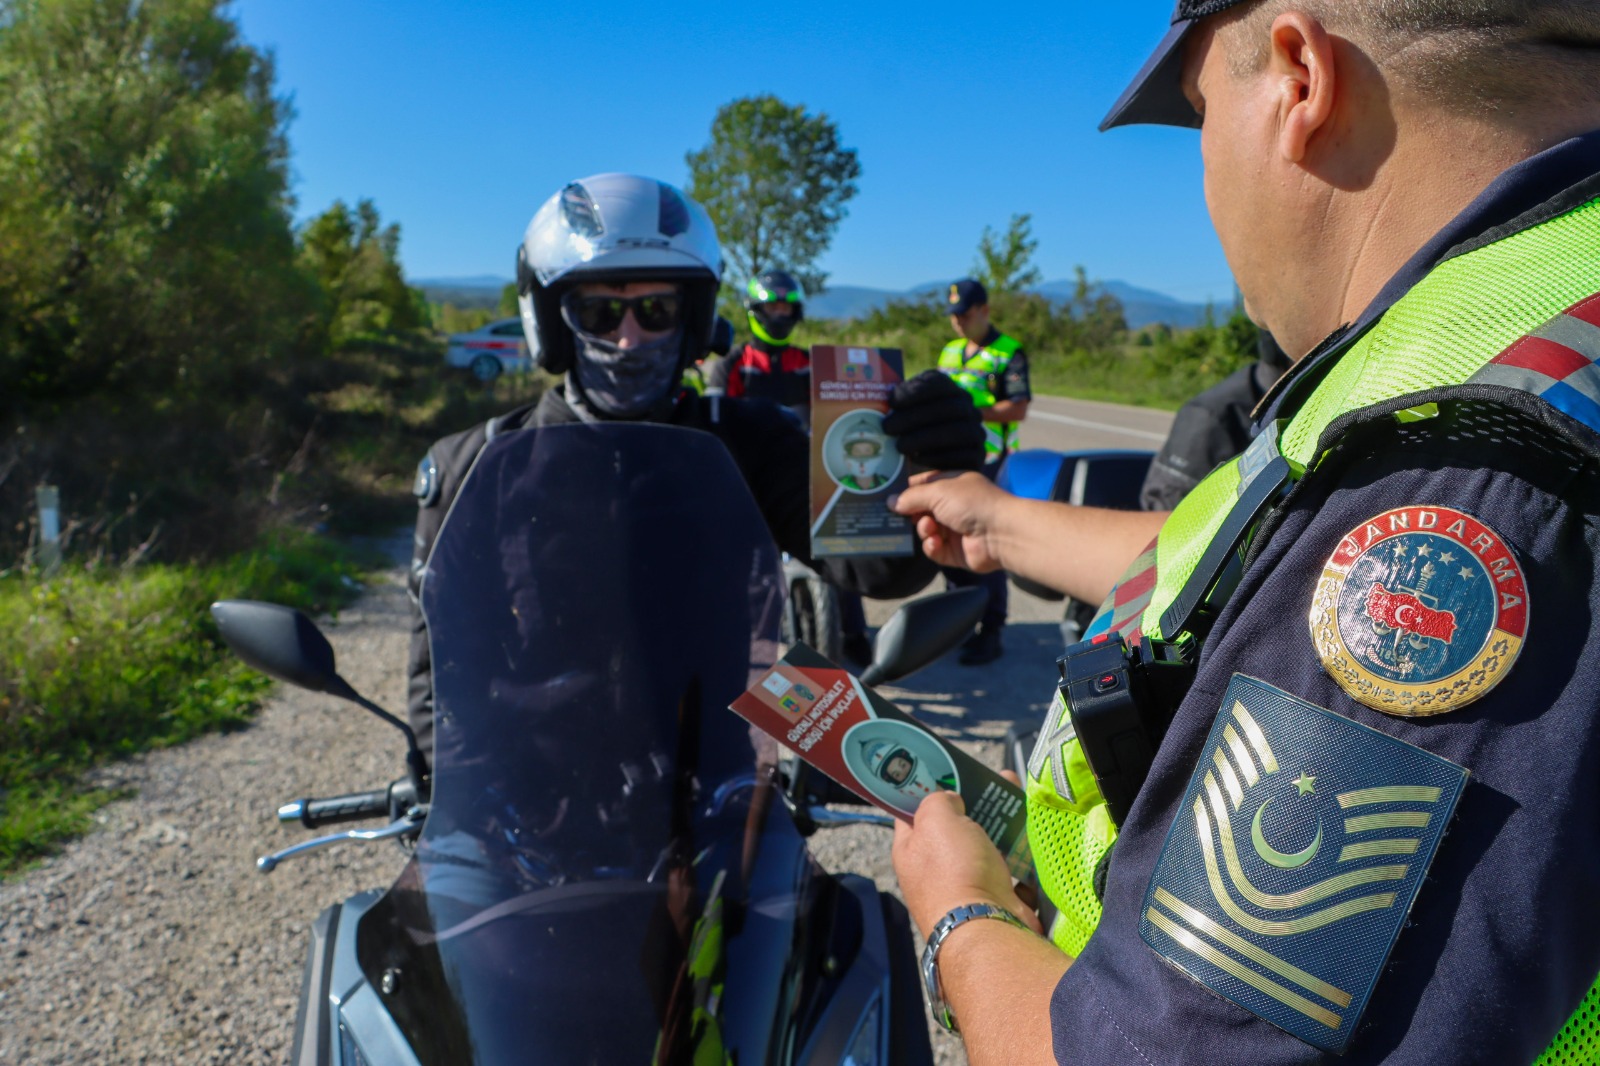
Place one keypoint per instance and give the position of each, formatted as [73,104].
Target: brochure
[855,466]
[864,742]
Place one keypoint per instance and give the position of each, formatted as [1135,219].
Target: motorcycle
[604,864]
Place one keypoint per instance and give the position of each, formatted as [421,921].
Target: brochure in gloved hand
[855,466]
[882,754]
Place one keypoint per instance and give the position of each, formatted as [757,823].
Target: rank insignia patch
[1296,855]
[1419,611]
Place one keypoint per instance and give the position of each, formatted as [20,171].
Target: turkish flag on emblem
[1401,610]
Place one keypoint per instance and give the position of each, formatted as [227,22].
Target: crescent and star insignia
[1419,610]
[1297,853]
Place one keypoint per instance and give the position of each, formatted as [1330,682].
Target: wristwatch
[957,917]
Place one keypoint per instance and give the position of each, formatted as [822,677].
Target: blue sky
[459,118]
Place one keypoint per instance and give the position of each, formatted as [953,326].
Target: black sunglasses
[656,312]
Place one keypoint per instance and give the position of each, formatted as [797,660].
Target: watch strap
[955,919]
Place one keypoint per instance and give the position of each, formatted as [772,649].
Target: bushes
[102,662]
[330,441]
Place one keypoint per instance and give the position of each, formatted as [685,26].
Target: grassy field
[104,662]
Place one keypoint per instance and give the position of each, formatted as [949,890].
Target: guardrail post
[49,501]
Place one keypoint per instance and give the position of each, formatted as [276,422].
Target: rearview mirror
[280,642]
[922,630]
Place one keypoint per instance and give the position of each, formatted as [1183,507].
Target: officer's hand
[935,423]
[946,860]
[955,516]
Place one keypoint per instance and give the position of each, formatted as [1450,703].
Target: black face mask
[776,329]
[626,382]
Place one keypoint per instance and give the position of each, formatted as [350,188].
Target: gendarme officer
[993,369]
[1340,716]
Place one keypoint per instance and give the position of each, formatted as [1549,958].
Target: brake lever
[408,824]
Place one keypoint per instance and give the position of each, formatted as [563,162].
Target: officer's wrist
[976,938]
[956,943]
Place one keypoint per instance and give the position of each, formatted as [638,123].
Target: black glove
[935,423]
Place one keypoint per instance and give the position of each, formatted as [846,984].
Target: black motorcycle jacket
[769,447]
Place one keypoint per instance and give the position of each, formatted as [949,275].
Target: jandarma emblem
[1419,610]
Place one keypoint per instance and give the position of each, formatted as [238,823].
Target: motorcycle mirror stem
[282,642]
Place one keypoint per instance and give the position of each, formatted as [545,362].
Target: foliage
[145,244]
[1005,261]
[103,662]
[1077,347]
[355,261]
[329,439]
[775,180]
[448,318]
[108,659]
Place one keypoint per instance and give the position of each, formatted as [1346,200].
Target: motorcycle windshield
[604,876]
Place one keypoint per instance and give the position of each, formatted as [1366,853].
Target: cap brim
[1155,97]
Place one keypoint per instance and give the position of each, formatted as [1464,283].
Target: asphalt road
[1067,425]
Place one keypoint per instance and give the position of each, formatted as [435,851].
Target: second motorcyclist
[617,279]
[768,367]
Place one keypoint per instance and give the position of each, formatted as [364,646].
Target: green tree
[1005,261]
[508,301]
[145,242]
[355,260]
[775,180]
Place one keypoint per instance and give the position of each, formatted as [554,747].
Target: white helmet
[877,754]
[616,228]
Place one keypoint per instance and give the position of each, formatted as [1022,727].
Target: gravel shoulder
[155,940]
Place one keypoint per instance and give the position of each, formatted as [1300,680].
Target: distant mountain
[1141,306]
[849,301]
[480,290]
[476,281]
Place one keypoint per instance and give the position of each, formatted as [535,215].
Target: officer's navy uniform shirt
[1504,938]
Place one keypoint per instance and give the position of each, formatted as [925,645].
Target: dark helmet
[774,286]
[616,228]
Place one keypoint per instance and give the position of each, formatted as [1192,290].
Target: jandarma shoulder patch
[1419,610]
[1296,855]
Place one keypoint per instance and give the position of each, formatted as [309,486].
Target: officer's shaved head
[1491,59]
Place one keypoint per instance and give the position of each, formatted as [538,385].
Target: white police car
[495,349]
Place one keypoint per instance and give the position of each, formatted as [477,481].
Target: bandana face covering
[626,382]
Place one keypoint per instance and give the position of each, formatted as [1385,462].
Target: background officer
[1407,192]
[993,369]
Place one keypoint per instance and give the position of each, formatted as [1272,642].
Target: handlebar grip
[353,807]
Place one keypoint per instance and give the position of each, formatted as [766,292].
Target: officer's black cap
[1155,96]
[964,295]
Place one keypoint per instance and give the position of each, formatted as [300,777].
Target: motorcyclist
[769,367]
[617,279]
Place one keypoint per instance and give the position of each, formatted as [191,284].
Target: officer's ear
[1303,68]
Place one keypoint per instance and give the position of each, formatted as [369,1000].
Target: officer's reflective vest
[975,374]
[1442,333]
